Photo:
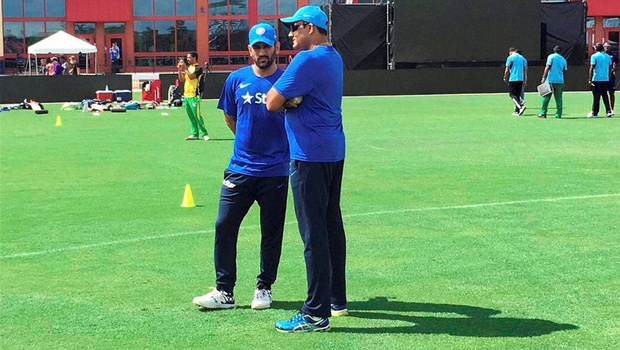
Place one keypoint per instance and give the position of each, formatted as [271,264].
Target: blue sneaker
[301,322]
[339,310]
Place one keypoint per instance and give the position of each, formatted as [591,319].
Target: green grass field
[468,228]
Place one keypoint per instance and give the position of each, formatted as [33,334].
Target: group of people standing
[59,66]
[287,125]
[601,79]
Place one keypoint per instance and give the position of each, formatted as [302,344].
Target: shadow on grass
[219,139]
[472,321]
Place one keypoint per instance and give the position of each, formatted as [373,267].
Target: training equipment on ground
[118,110]
[35,106]
[188,198]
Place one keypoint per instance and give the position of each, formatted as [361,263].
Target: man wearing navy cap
[310,91]
[257,172]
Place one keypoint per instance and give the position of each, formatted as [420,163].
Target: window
[54,27]
[12,8]
[229,35]
[318,2]
[590,22]
[19,35]
[611,22]
[164,8]
[54,8]
[218,35]
[186,35]
[266,7]
[143,37]
[14,37]
[186,7]
[142,8]
[84,28]
[114,28]
[228,7]
[34,31]
[286,7]
[273,7]
[164,36]
[33,8]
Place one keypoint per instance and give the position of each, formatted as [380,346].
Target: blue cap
[262,33]
[310,14]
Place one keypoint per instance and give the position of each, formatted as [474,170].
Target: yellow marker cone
[188,198]
[58,121]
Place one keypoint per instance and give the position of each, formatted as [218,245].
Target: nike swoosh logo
[241,86]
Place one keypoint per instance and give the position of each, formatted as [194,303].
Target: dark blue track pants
[316,194]
[238,194]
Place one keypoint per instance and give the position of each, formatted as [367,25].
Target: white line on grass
[450,95]
[177,234]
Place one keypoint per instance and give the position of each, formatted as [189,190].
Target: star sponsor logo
[257,98]
[247,98]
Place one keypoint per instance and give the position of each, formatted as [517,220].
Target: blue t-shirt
[517,64]
[260,146]
[557,66]
[115,52]
[601,62]
[314,128]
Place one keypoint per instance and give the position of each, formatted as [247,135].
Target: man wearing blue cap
[310,91]
[257,172]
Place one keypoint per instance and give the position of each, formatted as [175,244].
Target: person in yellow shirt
[189,74]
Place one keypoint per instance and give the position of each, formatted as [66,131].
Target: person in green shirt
[189,74]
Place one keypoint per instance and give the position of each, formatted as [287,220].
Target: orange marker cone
[58,121]
[188,198]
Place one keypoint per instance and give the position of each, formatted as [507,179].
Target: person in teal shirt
[598,78]
[515,74]
[554,75]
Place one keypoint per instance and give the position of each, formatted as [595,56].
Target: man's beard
[262,65]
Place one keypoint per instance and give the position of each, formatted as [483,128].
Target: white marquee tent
[62,42]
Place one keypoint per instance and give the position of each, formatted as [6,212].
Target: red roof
[607,8]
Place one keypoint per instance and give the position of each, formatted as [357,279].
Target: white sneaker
[591,115]
[609,114]
[262,299]
[206,138]
[216,299]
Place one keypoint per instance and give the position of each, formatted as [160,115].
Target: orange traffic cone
[188,198]
[58,121]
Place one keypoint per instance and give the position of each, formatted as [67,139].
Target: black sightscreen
[465,31]
[564,25]
[359,34]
